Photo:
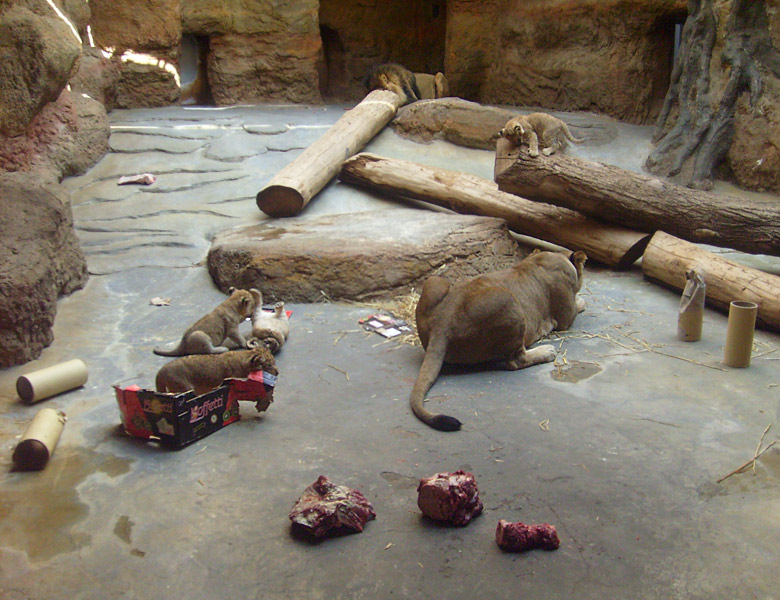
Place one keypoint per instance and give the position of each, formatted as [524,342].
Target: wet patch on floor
[576,371]
[39,510]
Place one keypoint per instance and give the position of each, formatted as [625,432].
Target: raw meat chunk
[328,509]
[519,537]
[449,497]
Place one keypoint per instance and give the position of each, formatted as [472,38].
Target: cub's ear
[519,130]
[252,343]
[536,251]
[578,258]
[502,133]
[231,289]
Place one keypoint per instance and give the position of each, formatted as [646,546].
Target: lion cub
[538,130]
[208,334]
[394,78]
[269,328]
[204,372]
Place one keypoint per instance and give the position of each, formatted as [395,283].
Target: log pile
[644,202]
[468,194]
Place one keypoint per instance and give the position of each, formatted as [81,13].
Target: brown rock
[264,68]
[362,256]
[97,77]
[66,138]
[151,30]
[606,56]
[40,260]
[38,54]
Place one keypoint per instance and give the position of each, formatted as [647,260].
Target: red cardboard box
[180,419]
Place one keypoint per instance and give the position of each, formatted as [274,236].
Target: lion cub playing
[204,372]
[494,316]
[538,130]
[269,328]
[208,334]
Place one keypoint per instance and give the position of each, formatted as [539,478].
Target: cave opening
[193,71]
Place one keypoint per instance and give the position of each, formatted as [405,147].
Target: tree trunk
[468,194]
[645,203]
[295,185]
[692,126]
[667,258]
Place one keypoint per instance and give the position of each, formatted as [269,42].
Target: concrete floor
[621,450]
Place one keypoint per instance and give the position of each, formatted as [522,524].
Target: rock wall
[612,57]
[263,51]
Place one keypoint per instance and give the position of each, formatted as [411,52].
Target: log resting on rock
[291,189]
[645,202]
[469,194]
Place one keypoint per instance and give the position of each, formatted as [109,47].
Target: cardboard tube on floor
[691,314]
[47,382]
[38,442]
[739,334]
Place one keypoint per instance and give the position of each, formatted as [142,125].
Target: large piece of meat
[451,498]
[328,509]
[519,537]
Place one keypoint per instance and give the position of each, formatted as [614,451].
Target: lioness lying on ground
[494,316]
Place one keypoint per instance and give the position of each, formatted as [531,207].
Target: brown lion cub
[208,334]
[538,130]
[494,316]
[204,372]
[394,78]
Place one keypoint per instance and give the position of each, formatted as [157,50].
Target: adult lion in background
[494,316]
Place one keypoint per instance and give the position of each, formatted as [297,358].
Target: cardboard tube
[691,314]
[47,382]
[38,442]
[739,334]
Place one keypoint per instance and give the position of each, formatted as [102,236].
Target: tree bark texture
[468,194]
[693,125]
[644,202]
[295,185]
[667,258]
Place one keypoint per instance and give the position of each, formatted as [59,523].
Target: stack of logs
[615,216]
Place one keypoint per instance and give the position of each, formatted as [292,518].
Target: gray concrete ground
[619,444]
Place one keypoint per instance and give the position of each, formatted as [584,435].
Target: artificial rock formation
[607,56]
[358,256]
[41,261]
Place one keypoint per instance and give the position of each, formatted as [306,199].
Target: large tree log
[667,258]
[645,202]
[468,194]
[295,185]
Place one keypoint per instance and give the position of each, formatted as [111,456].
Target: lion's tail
[570,136]
[429,372]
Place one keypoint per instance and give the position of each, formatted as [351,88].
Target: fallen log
[506,155]
[645,202]
[468,194]
[666,259]
[291,189]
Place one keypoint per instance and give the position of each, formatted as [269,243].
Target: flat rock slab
[362,256]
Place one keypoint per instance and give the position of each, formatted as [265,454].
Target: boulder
[38,55]
[65,138]
[147,35]
[363,256]
[97,77]
[40,260]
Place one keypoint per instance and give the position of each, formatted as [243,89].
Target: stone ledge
[360,257]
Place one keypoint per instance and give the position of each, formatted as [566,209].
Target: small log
[295,185]
[645,202]
[468,194]
[667,258]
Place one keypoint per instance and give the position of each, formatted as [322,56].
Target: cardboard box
[180,419]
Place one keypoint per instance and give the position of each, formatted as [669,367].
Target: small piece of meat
[519,537]
[452,498]
[328,509]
